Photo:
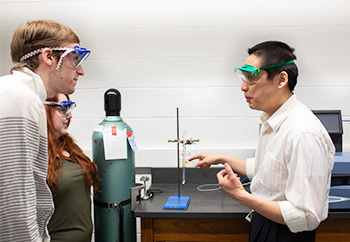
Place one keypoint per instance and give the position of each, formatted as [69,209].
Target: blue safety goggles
[66,107]
[78,55]
[250,74]
[81,55]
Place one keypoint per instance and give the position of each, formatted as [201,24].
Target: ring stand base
[176,202]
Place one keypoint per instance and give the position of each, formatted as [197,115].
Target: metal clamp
[185,142]
[113,205]
[136,195]
[146,196]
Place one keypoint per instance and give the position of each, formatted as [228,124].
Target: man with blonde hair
[48,60]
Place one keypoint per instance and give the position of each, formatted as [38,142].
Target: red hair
[56,148]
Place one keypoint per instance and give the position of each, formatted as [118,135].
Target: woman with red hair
[70,176]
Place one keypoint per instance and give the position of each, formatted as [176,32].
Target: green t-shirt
[71,220]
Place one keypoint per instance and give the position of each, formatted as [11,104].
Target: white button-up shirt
[293,165]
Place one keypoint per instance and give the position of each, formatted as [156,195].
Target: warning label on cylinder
[115,145]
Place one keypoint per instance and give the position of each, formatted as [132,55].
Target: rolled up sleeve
[308,183]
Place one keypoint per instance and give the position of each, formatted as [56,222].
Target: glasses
[65,107]
[249,73]
[79,55]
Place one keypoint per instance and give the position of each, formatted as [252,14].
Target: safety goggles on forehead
[80,54]
[66,107]
[250,74]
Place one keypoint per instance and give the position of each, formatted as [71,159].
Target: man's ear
[282,79]
[47,57]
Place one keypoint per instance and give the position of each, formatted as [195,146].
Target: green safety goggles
[250,74]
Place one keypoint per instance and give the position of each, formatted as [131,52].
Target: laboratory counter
[211,215]
[203,204]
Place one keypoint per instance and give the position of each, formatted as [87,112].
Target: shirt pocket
[272,174]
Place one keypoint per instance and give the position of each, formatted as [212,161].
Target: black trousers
[265,230]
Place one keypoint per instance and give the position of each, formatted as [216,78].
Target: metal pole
[178,153]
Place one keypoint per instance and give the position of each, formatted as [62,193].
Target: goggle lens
[77,56]
[80,55]
[249,75]
[67,107]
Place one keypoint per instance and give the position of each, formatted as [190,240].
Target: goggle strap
[52,103]
[38,51]
[68,50]
[277,65]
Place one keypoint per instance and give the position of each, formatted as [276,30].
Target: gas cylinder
[114,220]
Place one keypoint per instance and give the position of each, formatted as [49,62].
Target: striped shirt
[25,199]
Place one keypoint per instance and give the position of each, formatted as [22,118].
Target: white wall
[163,54]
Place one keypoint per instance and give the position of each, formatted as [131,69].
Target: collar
[275,121]
[34,81]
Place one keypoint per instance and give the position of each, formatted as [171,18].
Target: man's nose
[80,70]
[244,86]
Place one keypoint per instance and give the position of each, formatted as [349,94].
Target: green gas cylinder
[114,220]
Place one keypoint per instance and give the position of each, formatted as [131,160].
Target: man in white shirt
[49,58]
[291,170]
